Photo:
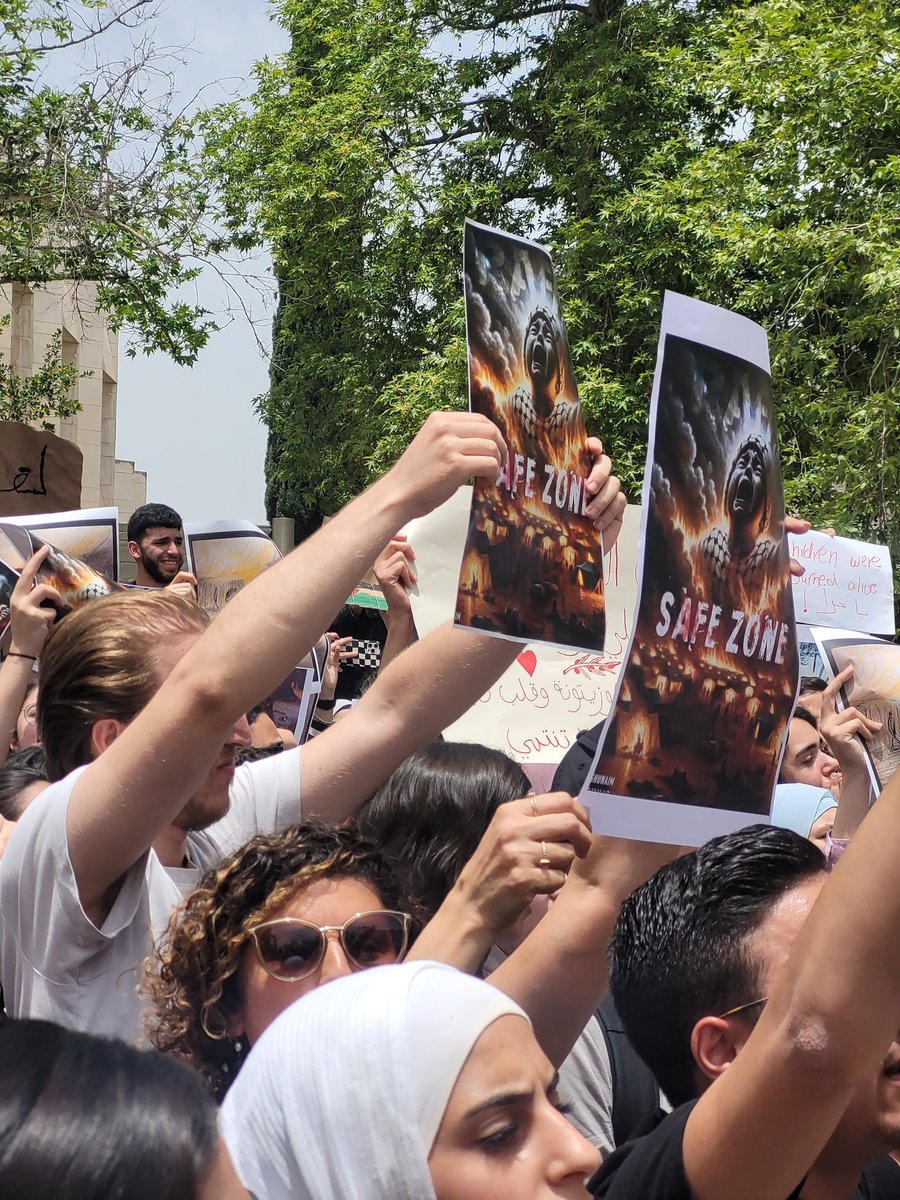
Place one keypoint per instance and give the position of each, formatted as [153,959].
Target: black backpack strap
[634,1089]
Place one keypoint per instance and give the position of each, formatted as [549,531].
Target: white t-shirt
[55,963]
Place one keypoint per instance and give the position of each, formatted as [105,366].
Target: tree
[44,395]
[742,153]
[98,183]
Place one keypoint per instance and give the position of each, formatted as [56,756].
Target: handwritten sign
[846,585]
[810,659]
[39,472]
[539,706]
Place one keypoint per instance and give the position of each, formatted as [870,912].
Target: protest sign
[74,580]
[88,534]
[291,704]
[39,472]
[692,746]
[368,594]
[537,708]
[845,584]
[810,659]
[225,556]
[874,690]
[532,567]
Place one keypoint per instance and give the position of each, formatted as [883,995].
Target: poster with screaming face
[532,566]
[694,739]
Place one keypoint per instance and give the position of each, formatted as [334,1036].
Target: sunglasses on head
[290,949]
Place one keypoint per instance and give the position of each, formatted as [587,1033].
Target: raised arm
[422,692]
[559,973]
[395,571]
[826,1028]
[503,876]
[840,730]
[30,624]
[149,769]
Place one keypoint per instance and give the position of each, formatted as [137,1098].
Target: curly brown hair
[192,978]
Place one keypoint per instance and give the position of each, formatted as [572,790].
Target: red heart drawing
[528,660]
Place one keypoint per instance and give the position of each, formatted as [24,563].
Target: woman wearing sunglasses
[288,912]
[294,910]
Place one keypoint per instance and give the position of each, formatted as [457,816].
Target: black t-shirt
[572,770]
[652,1168]
[368,627]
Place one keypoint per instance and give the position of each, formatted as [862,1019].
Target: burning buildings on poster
[532,566]
[708,687]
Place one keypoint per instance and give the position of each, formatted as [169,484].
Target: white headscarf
[342,1097]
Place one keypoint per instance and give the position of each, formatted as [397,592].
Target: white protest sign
[539,706]
[846,584]
[693,741]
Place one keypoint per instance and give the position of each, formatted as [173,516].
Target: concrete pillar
[283,533]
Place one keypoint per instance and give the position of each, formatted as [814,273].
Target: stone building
[88,343]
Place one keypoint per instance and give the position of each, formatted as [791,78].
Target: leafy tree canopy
[98,182]
[746,154]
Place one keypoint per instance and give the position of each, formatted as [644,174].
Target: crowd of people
[376,964]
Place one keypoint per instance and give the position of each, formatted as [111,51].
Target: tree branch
[117,19]
[442,138]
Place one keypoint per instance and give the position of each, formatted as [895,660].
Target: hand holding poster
[73,579]
[532,567]
[874,690]
[692,746]
[88,534]
[225,556]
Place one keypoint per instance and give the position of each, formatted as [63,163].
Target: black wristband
[327,705]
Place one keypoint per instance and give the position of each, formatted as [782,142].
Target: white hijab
[343,1095]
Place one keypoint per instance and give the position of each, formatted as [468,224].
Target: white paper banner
[846,584]
[549,695]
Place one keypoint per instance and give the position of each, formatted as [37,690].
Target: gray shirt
[585,1084]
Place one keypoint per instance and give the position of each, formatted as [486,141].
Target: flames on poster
[533,564]
[709,684]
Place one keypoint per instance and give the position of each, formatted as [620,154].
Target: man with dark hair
[750,977]
[155,542]
[692,922]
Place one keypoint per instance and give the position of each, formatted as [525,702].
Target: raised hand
[527,851]
[449,449]
[184,584]
[33,608]
[607,509]
[395,573]
[842,729]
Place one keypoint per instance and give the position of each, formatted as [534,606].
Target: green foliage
[743,153]
[45,394]
[97,183]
